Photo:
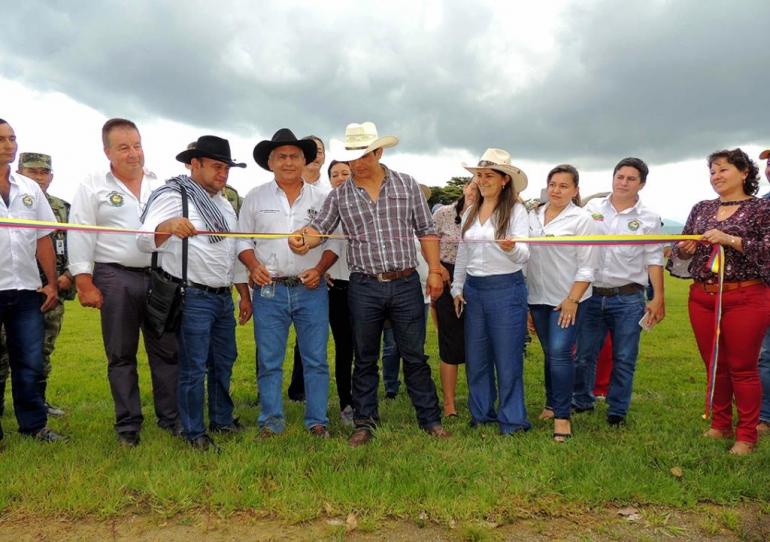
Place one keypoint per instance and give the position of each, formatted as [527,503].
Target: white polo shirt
[619,265]
[103,200]
[211,264]
[552,269]
[479,255]
[266,209]
[18,246]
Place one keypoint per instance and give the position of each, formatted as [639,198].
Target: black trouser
[122,316]
[342,330]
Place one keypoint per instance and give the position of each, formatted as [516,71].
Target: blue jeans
[206,344]
[558,348]
[308,310]
[495,326]
[620,314]
[764,376]
[391,359]
[371,303]
[20,315]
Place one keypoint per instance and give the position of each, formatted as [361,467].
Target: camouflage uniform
[52,318]
[232,196]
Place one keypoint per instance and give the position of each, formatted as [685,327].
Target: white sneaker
[347,416]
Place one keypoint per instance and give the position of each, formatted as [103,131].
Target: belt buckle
[380,278]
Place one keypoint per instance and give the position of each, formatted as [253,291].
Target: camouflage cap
[35,159]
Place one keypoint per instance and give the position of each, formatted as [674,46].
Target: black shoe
[391,395]
[204,443]
[230,429]
[175,429]
[46,435]
[616,421]
[297,397]
[129,438]
[581,410]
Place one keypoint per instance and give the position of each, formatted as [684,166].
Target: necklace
[733,202]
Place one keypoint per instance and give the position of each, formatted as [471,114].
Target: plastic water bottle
[268,290]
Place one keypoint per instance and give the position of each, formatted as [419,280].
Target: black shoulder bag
[165,297]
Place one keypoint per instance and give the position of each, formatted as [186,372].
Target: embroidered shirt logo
[633,225]
[598,217]
[115,199]
[27,200]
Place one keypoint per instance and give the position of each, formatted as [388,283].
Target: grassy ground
[403,474]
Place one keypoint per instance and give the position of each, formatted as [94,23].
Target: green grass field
[403,474]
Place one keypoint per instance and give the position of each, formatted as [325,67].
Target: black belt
[388,276]
[288,281]
[190,284]
[126,268]
[626,289]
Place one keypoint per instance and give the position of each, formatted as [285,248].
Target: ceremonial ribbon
[715,264]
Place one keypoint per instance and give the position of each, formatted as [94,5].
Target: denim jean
[23,322]
[401,301]
[207,351]
[620,314]
[391,359]
[559,351]
[495,326]
[764,376]
[308,310]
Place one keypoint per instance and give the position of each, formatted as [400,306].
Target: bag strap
[154,262]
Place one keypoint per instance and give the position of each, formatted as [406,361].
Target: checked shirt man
[381,211]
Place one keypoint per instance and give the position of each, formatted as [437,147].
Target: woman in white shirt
[558,279]
[489,285]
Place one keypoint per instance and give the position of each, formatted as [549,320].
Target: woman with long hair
[558,279]
[737,221]
[489,286]
[451,336]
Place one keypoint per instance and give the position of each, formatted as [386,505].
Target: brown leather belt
[626,289]
[727,286]
[391,275]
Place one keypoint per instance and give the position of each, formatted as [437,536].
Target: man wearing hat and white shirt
[206,337]
[290,288]
[381,211]
[763,428]
[112,274]
[22,297]
[617,302]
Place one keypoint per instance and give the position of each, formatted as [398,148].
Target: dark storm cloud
[665,80]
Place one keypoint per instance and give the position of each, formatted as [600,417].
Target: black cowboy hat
[282,137]
[209,146]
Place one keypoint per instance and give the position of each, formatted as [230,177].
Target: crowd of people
[364,256]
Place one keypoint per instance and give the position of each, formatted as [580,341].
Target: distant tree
[449,193]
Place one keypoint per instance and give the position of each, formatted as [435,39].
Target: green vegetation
[475,476]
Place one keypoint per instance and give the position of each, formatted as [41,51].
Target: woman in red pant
[739,222]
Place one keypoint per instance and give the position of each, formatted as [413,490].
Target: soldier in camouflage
[37,167]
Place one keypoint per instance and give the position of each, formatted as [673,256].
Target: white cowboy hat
[500,160]
[361,139]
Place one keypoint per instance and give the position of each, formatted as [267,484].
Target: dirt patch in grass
[745,522]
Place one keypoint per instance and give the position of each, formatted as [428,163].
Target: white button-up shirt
[624,264]
[104,200]
[552,269]
[18,246]
[266,209]
[480,256]
[211,264]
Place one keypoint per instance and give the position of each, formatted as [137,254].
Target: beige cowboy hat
[500,160]
[361,139]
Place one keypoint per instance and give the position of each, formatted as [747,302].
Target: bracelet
[575,301]
[436,273]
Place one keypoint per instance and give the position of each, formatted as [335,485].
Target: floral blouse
[751,222]
[449,231]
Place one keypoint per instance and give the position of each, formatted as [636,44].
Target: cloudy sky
[584,82]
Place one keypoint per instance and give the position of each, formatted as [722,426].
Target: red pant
[604,368]
[745,317]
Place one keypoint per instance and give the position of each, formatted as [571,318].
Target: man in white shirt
[23,299]
[289,287]
[618,302]
[111,274]
[206,337]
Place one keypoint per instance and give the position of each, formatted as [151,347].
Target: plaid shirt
[380,234]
